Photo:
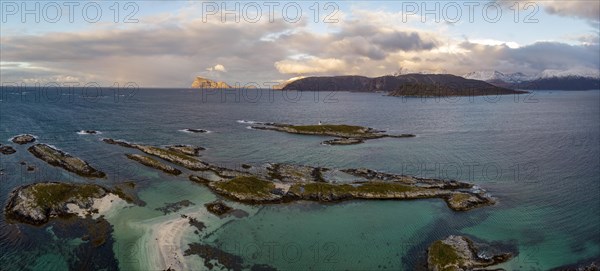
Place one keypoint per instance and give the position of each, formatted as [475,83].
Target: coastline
[163,243]
[515,215]
[106,206]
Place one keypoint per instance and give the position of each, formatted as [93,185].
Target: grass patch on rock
[372,188]
[246,186]
[443,257]
[341,128]
[53,194]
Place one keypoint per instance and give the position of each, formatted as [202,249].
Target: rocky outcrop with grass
[186,149]
[170,155]
[153,163]
[459,253]
[37,203]
[278,183]
[345,134]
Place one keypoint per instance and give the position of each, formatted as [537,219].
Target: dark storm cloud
[405,41]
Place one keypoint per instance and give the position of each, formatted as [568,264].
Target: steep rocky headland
[205,83]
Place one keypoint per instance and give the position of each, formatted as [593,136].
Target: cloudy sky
[167,44]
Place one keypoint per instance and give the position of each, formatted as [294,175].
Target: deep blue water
[538,154]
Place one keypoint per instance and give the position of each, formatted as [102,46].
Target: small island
[23,139]
[64,160]
[204,83]
[457,253]
[36,203]
[173,156]
[346,134]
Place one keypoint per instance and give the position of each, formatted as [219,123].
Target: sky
[169,43]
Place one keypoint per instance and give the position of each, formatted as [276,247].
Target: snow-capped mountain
[519,77]
[498,76]
[570,73]
[573,79]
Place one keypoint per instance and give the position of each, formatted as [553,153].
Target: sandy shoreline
[163,240]
[104,206]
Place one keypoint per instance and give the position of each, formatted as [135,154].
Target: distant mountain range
[547,80]
[430,85]
[424,85]
[489,76]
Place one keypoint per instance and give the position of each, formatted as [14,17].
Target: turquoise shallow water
[539,156]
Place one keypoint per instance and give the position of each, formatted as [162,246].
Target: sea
[538,154]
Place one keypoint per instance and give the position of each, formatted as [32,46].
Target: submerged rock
[29,168]
[153,163]
[196,131]
[218,208]
[70,163]
[199,225]
[586,265]
[175,206]
[88,132]
[7,149]
[118,142]
[459,253]
[23,139]
[215,258]
[343,141]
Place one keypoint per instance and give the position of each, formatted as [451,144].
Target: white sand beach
[105,206]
